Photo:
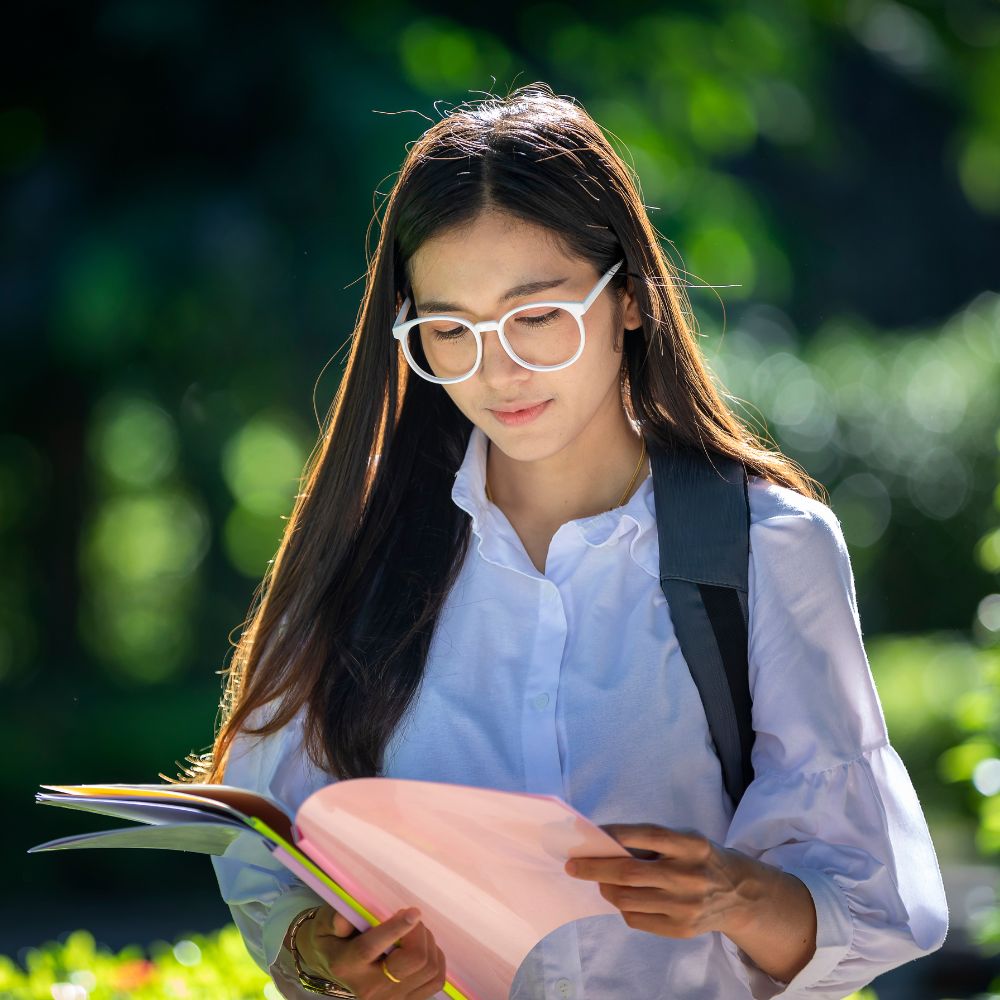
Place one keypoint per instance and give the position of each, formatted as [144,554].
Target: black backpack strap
[703,524]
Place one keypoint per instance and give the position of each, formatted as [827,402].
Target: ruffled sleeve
[262,894]
[831,802]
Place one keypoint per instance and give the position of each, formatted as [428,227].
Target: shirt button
[540,701]
[565,988]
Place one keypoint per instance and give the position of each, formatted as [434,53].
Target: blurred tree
[185,193]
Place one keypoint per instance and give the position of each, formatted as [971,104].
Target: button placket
[543,767]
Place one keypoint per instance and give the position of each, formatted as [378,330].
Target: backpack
[703,523]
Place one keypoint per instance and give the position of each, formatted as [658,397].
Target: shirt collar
[497,542]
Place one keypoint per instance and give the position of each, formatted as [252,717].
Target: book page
[151,811]
[196,837]
[223,798]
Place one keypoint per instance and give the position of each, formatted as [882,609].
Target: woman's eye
[542,320]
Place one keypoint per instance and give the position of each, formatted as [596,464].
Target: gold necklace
[642,455]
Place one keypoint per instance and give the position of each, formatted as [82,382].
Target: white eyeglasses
[537,336]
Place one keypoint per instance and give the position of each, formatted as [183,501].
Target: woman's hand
[332,948]
[690,886]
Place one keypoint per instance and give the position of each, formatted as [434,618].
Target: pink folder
[484,866]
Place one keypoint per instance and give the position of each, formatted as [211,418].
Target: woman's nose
[497,364]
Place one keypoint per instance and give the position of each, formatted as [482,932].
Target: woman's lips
[519,417]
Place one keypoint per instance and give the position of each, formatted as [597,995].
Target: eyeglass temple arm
[599,287]
[403,310]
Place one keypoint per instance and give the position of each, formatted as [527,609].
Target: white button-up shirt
[571,682]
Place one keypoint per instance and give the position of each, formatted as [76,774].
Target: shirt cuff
[834,936]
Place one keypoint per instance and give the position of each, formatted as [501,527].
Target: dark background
[186,193]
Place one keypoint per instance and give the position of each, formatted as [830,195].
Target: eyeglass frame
[400,330]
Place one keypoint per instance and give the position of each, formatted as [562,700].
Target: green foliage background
[187,195]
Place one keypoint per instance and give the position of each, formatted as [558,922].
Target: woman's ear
[631,316]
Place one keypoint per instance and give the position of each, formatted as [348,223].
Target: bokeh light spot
[140,537]
[133,440]
[863,505]
[262,464]
[251,539]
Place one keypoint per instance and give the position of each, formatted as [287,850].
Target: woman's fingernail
[411,916]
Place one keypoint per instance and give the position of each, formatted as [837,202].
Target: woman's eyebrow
[528,288]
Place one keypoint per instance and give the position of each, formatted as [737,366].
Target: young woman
[476,542]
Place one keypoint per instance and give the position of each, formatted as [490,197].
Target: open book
[485,867]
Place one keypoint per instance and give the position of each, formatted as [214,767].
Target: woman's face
[472,269]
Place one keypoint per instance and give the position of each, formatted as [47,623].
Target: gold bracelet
[314,984]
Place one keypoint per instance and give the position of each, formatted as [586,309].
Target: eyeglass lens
[539,335]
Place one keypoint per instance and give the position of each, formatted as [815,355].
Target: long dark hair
[374,527]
